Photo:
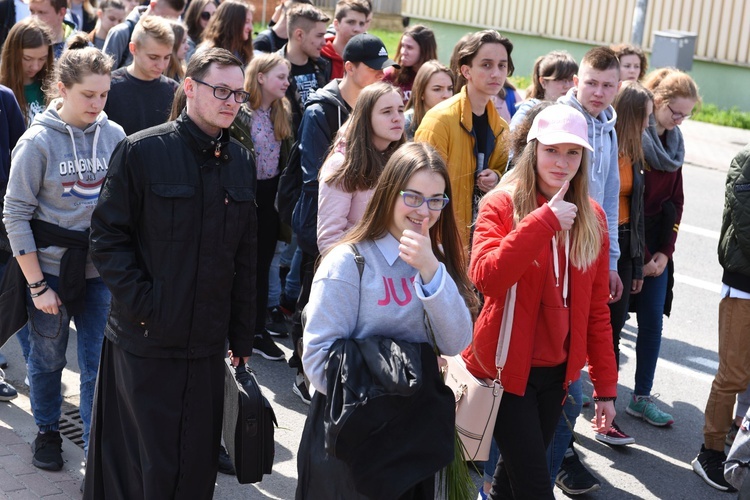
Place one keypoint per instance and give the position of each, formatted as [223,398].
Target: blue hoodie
[604,171]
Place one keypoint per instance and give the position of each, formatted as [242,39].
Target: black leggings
[618,311]
[524,428]
[268,233]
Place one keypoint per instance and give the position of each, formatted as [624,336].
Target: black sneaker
[225,462]
[574,478]
[266,347]
[276,322]
[7,391]
[47,450]
[709,464]
[300,389]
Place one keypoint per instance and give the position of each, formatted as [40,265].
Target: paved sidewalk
[18,478]
[712,146]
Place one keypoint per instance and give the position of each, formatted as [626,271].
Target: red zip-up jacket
[503,255]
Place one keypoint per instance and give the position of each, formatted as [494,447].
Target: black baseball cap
[368,49]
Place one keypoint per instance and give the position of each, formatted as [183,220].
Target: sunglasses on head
[206,15]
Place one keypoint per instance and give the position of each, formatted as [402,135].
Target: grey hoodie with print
[56,173]
[604,169]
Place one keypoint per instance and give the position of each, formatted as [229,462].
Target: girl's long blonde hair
[586,233]
[281,111]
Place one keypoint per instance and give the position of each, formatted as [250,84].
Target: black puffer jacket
[174,239]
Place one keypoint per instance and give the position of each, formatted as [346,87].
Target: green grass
[390,40]
[733,117]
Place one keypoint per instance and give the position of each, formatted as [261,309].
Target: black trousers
[618,311]
[307,273]
[524,427]
[268,233]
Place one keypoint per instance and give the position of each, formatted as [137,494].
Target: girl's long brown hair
[30,33]
[630,106]
[445,238]
[421,82]
[281,111]
[521,183]
[425,38]
[176,67]
[224,30]
[363,163]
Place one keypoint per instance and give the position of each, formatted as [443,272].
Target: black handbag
[249,423]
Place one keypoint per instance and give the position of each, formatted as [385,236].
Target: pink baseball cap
[560,124]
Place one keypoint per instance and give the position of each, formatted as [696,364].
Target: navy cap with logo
[368,49]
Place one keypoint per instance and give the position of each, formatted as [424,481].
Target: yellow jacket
[448,127]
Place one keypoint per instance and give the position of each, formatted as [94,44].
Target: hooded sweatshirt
[604,170]
[56,173]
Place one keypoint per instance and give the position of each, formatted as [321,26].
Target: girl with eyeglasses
[373,132]
[414,273]
[197,15]
[675,96]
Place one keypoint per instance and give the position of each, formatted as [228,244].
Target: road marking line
[698,283]
[671,365]
[708,233]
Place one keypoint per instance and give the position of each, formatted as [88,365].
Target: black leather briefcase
[249,424]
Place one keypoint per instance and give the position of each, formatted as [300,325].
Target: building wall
[722,48]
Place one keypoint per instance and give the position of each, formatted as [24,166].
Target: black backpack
[290,182]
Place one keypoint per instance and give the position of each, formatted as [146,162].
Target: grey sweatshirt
[391,301]
[55,176]
[604,170]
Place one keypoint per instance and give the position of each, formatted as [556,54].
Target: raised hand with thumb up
[416,250]
[563,210]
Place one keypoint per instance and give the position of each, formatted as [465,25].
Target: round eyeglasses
[223,93]
[678,116]
[416,200]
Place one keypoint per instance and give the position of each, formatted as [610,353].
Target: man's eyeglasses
[415,200]
[678,116]
[206,16]
[223,93]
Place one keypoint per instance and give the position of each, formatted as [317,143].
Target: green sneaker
[645,408]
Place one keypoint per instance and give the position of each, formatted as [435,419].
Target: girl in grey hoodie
[57,170]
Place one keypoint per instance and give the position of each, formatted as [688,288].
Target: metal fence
[722,26]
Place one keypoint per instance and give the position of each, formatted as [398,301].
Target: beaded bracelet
[37,284]
[603,399]
[42,291]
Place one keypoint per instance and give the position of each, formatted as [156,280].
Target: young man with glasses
[173,237]
[140,96]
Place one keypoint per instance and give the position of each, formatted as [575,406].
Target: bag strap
[506,326]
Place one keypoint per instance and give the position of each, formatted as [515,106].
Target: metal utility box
[673,48]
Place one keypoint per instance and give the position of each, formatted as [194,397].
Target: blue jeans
[48,336]
[564,431]
[274,281]
[650,316]
[293,279]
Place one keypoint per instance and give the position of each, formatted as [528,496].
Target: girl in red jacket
[540,230]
